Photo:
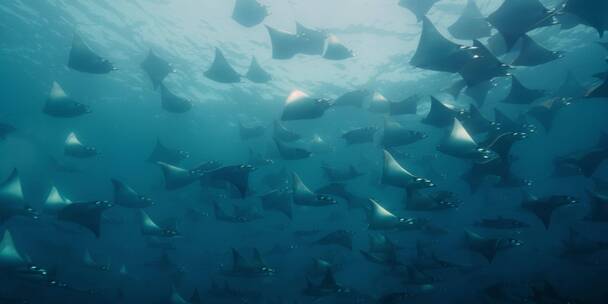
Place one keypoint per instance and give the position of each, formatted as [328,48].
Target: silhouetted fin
[237,175]
[379,218]
[12,201]
[598,211]
[599,90]
[571,87]
[310,41]
[162,153]
[256,73]
[406,106]
[176,177]
[284,45]
[173,103]
[250,130]
[256,159]
[378,103]
[440,114]
[291,153]
[497,45]
[479,92]
[300,105]
[514,18]
[437,53]
[83,59]
[519,94]
[238,261]
[459,143]
[359,135]
[257,259]
[59,104]
[455,89]
[395,175]
[590,13]
[418,7]
[488,247]
[533,54]
[127,197]
[588,162]
[381,243]
[221,71]
[546,112]
[10,258]
[483,66]
[156,68]
[395,135]
[336,190]
[283,134]
[55,201]
[507,124]
[340,174]
[352,99]
[543,208]
[471,24]
[278,200]
[150,228]
[195,298]
[336,50]
[86,214]
[249,13]
[476,123]
[302,195]
[74,148]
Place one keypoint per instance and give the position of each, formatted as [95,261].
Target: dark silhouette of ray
[488,247]
[310,41]
[459,143]
[161,153]
[127,197]
[407,106]
[437,53]
[497,45]
[359,135]
[83,59]
[59,104]
[173,103]
[249,13]
[284,45]
[599,90]
[533,54]
[471,25]
[278,200]
[256,73]
[302,195]
[546,112]
[476,123]
[352,99]
[221,71]
[418,7]
[519,94]
[237,175]
[300,105]
[291,153]
[591,13]
[395,135]
[479,92]
[86,214]
[156,68]
[571,87]
[440,115]
[483,66]
[514,18]
[6,129]
[336,50]
[544,207]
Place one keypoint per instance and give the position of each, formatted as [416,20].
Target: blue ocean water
[413,151]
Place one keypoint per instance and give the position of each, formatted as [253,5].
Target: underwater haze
[303,151]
